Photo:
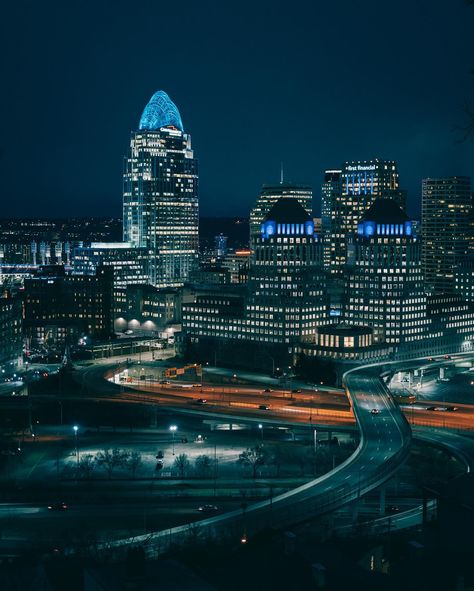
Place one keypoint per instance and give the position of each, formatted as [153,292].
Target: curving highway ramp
[385,438]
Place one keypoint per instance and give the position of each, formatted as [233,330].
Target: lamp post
[173,429]
[76,429]
[260,426]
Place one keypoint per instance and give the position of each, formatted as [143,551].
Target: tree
[112,459]
[252,457]
[134,462]
[181,463]
[86,465]
[203,465]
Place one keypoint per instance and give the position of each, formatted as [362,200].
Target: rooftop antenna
[281,173]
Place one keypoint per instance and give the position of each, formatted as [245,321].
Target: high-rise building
[284,303]
[346,195]
[11,338]
[330,195]
[385,285]
[445,229]
[130,267]
[268,197]
[160,196]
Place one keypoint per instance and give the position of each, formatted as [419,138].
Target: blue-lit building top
[287,218]
[384,218]
[160,112]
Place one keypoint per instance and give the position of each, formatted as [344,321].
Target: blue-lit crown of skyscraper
[160,112]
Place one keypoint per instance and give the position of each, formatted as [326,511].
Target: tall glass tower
[160,193]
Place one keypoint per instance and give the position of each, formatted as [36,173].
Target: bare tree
[134,462]
[253,457]
[112,459]
[182,464]
[86,465]
[203,465]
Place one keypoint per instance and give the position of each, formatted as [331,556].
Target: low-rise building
[59,306]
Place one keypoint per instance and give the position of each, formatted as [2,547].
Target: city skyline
[310,102]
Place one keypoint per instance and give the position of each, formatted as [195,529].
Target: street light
[76,429]
[260,426]
[173,429]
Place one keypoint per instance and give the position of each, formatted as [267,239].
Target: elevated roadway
[385,437]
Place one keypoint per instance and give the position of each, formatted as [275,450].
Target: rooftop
[385,211]
[288,210]
[160,112]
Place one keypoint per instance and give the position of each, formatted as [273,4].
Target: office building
[160,196]
[445,229]
[61,307]
[237,263]
[283,304]
[130,267]
[385,283]
[269,195]
[11,337]
[346,194]
[464,279]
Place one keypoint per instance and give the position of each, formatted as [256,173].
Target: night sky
[307,83]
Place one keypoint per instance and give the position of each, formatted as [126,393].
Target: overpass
[385,438]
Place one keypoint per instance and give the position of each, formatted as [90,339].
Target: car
[393,509]
[375,411]
[443,408]
[447,356]
[201,401]
[208,508]
[264,407]
[267,390]
[197,385]
[296,391]
[159,455]
[57,507]
[430,358]
[165,382]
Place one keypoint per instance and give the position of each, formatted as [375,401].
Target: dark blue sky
[310,83]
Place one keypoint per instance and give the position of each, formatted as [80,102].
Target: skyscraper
[347,194]
[445,229]
[385,286]
[160,193]
[284,303]
[268,197]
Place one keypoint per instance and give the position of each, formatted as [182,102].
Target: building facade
[130,267]
[385,282]
[11,337]
[160,195]
[445,229]
[346,194]
[284,301]
[59,307]
[269,195]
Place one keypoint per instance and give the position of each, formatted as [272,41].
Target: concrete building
[445,230]
[346,194]
[385,283]
[269,195]
[59,307]
[282,306]
[129,264]
[11,337]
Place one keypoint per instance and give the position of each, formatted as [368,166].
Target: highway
[385,438]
